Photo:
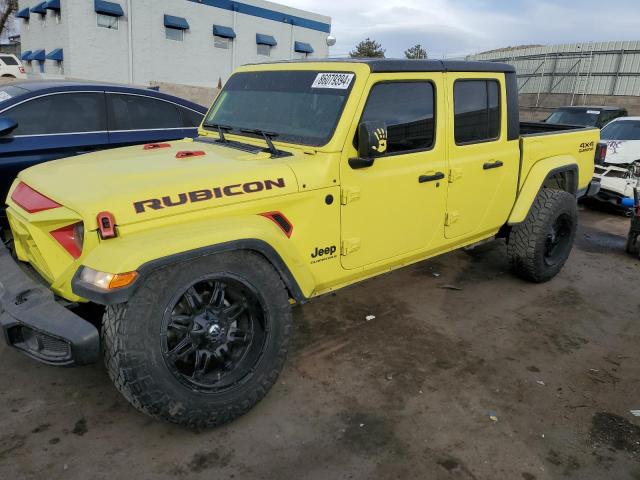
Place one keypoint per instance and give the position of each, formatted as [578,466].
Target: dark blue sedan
[46,120]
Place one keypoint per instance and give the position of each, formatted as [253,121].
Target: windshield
[622,130]
[8,92]
[293,106]
[587,118]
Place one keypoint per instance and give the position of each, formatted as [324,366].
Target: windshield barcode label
[339,81]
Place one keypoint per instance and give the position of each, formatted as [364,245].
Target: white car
[620,170]
[11,67]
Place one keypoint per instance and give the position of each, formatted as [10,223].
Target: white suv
[11,67]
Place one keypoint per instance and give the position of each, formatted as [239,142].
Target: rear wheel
[633,240]
[201,343]
[539,247]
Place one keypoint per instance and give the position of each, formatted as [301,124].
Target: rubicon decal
[207,194]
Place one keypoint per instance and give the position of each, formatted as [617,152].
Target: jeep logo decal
[207,194]
[321,254]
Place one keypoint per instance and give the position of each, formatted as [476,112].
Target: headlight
[636,168]
[107,281]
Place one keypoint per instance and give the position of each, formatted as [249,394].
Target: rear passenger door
[135,119]
[484,163]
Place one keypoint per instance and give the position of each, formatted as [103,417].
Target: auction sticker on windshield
[340,81]
[4,96]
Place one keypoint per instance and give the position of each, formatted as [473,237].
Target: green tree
[368,49]
[416,52]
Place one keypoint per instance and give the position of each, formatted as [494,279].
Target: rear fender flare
[541,172]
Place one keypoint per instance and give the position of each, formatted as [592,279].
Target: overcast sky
[458,27]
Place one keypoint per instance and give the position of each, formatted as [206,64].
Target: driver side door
[396,206]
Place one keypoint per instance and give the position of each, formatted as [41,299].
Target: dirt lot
[409,394]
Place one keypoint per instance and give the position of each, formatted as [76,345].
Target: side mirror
[372,143]
[7,126]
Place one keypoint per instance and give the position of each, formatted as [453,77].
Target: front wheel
[201,343]
[539,247]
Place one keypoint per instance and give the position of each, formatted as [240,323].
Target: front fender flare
[141,252]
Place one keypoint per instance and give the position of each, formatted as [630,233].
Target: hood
[135,184]
[621,152]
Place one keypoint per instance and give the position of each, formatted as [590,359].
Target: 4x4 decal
[207,194]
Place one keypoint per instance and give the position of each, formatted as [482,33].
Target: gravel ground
[497,380]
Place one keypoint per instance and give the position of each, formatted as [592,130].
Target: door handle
[430,178]
[490,165]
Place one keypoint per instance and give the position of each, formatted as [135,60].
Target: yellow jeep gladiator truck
[305,177]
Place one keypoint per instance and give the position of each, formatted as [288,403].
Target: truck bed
[541,128]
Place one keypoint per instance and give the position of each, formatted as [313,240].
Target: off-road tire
[633,240]
[133,352]
[528,241]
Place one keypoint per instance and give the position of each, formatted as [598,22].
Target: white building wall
[102,54]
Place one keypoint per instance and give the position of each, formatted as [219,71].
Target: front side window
[107,21]
[477,111]
[407,108]
[296,106]
[135,112]
[221,42]
[58,114]
[175,34]
[264,50]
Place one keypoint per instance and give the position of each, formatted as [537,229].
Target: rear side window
[9,60]
[191,118]
[408,110]
[477,111]
[134,112]
[61,113]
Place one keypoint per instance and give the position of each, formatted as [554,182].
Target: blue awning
[55,55]
[38,55]
[24,13]
[265,40]
[53,5]
[108,8]
[25,55]
[40,8]
[176,22]
[302,47]
[226,32]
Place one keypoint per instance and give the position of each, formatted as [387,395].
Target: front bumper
[36,324]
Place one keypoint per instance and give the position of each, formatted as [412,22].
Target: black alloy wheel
[214,333]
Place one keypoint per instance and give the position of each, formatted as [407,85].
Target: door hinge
[455,174]
[451,218]
[349,195]
[349,245]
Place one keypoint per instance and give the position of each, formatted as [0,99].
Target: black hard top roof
[391,65]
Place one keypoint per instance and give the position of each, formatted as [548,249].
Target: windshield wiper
[221,129]
[267,138]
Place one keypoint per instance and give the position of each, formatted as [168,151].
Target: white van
[11,67]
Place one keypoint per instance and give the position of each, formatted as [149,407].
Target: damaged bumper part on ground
[35,323]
